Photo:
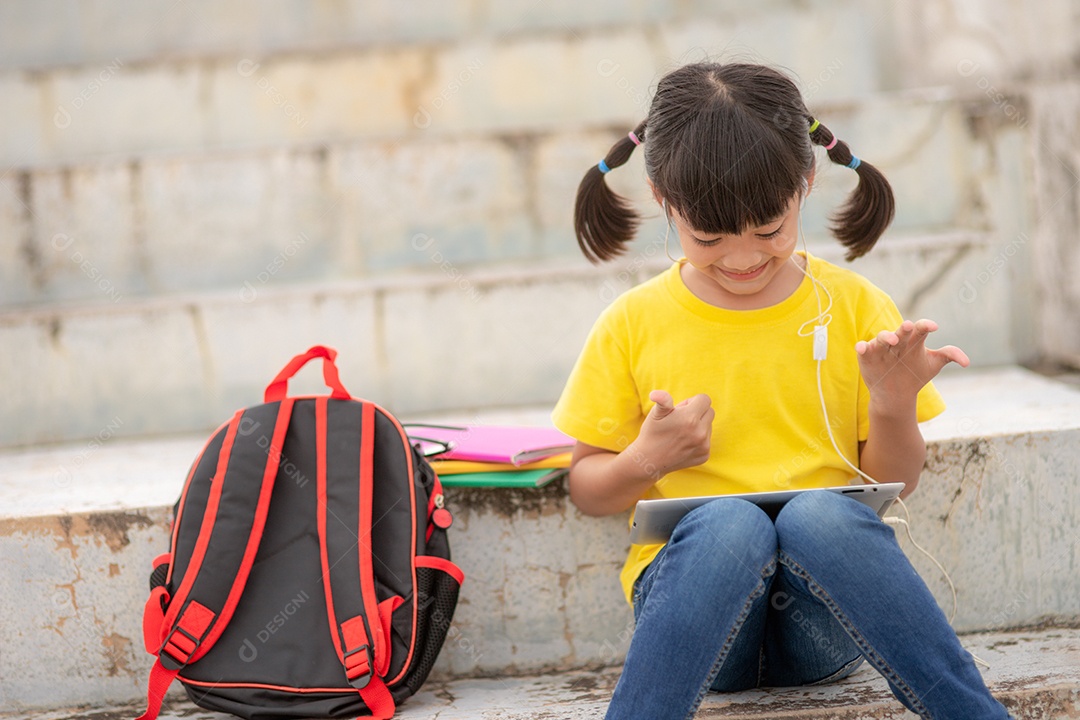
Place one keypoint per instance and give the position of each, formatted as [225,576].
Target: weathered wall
[199,145]
[158,158]
[541,589]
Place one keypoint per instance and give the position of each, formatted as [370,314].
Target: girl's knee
[737,526]
[726,546]
[726,516]
[825,517]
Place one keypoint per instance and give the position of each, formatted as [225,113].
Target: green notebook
[506,478]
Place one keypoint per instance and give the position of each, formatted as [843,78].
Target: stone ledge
[995,507]
[245,95]
[127,474]
[1032,672]
[417,343]
[485,277]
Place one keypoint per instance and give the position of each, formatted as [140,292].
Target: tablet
[654,520]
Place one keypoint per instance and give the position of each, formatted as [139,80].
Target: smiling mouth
[742,277]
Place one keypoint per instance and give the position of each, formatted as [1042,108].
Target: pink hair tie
[832,143]
[634,137]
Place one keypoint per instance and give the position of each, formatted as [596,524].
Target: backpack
[309,571]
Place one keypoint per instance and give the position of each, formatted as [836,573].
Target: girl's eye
[715,241]
[772,234]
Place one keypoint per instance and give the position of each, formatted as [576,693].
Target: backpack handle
[278,388]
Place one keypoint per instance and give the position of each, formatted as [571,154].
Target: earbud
[805,192]
[667,229]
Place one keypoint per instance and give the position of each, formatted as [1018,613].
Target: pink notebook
[516,444]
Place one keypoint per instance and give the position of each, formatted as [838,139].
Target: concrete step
[1032,672]
[999,506]
[483,189]
[433,70]
[416,343]
[893,47]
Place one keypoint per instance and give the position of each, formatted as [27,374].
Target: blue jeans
[736,601]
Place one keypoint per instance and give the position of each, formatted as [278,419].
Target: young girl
[706,380]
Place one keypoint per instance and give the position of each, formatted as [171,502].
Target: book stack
[494,455]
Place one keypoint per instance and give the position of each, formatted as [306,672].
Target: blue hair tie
[855,163]
[603,167]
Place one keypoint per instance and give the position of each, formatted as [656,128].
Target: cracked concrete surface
[1034,673]
[541,591]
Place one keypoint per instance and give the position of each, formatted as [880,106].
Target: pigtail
[604,221]
[871,205]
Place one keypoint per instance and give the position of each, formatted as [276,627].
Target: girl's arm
[894,450]
[672,437]
[895,366]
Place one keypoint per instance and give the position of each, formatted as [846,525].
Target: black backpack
[309,571]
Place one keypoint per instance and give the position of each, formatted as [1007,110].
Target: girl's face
[747,263]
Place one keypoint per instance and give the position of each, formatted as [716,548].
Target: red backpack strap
[345,548]
[229,536]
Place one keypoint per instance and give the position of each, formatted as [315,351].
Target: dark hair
[728,146]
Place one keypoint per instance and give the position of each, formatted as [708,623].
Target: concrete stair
[418,342]
[394,180]
[997,506]
[1032,672]
[101,229]
[431,259]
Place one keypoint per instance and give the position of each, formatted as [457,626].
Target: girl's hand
[896,365]
[674,437]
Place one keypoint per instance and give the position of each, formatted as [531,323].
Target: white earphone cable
[820,323]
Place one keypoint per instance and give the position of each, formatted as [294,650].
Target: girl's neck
[781,287]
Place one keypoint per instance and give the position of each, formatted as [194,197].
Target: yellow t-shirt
[769,433]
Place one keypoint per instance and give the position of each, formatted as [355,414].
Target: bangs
[729,171]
